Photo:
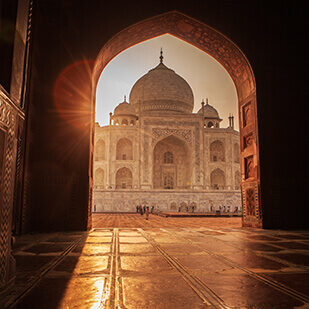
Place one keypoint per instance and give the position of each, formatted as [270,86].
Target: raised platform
[198,214]
[165,200]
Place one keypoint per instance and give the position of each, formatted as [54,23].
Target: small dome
[209,111]
[124,108]
[161,89]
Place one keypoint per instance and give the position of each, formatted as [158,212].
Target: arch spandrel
[190,30]
[230,57]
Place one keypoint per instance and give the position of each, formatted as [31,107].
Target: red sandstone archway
[233,60]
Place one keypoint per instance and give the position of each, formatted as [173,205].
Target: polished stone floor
[128,262]
[101,220]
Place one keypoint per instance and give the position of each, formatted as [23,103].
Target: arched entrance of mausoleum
[171,164]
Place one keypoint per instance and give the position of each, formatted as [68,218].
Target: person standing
[147,212]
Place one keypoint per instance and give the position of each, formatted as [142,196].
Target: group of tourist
[186,208]
[144,210]
[224,209]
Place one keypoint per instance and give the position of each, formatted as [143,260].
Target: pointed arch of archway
[236,64]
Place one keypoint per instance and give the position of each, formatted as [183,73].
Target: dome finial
[161,55]
[125,98]
[206,101]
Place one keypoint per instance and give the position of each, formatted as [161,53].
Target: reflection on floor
[162,263]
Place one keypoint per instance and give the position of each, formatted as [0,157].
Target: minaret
[231,121]
[203,104]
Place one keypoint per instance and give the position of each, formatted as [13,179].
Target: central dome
[161,89]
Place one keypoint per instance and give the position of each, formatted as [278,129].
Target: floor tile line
[44,272]
[286,290]
[108,301]
[208,296]
[119,286]
[260,253]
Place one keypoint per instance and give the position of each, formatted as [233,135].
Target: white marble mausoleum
[156,151]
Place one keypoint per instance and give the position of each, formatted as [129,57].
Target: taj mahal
[156,151]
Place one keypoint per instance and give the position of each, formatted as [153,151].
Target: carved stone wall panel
[250,161]
[248,140]
[164,132]
[17,209]
[8,121]
[249,167]
[247,114]
[26,202]
[252,215]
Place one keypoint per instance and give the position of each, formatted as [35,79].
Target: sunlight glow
[100,295]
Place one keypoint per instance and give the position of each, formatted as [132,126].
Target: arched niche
[124,122]
[217,151]
[124,149]
[173,206]
[99,178]
[172,166]
[99,150]
[183,207]
[193,207]
[236,64]
[124,178]
[217,179]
